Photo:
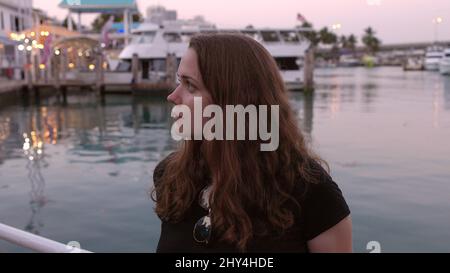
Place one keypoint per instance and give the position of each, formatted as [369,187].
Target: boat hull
[444,67]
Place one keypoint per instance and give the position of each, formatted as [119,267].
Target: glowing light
[20,47]
[29,48]
[91,67]
[40,46]
[71,65]
[42,66]
[42,33]
[39,151]
[80,54]
[57,52]
[32,34]
[26,146]
[34,42]
[336,26]
[27,41]
[31,158]
[439,20]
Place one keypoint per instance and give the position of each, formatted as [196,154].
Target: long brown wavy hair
[250,187]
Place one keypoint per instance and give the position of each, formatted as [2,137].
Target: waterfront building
[15,16]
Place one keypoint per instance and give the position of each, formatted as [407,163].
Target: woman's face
[190,84]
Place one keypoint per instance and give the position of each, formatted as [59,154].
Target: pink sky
[395,21]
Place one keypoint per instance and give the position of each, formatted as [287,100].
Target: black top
[322,207]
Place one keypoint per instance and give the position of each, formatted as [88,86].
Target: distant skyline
[395,21]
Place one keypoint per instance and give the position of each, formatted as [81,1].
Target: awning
[7,42]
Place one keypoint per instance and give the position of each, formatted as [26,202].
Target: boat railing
[37,243]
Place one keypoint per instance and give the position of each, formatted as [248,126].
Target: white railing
[35,242]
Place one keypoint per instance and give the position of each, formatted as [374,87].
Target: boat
[432,58]
[413,64]
[348,61]
[152,43]
[444,64]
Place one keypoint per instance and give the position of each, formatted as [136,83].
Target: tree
[370,41]
[101,20]
[348,44]
[66,24]
[327,37]
[311,35]
[352,41]
[343,42]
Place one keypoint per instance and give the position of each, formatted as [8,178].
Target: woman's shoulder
[322,204]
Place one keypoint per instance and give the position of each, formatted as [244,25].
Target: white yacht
[444,64]
[152,43]
[432,58]
[348,61]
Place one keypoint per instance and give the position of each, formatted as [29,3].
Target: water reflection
[124,130]
[41,129]
[303,106]
[446,92]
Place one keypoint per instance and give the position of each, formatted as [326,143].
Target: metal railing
[35,242]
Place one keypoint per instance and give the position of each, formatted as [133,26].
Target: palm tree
[352,41]
[343,41]
[310,35]
[65,23]
[371,42]
[327,37]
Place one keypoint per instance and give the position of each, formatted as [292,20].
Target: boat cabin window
[143,37]
[158,65]
[288,63]
[252,34]
[270,36]
[123,66]
[209,31]
[186,36]
[172,37]
[290,36]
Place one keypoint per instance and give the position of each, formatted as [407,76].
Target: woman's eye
[189,86]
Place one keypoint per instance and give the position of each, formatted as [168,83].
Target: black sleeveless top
[322,207]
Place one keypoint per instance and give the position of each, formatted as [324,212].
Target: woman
[228,195]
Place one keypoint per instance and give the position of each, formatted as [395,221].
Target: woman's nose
[173,97]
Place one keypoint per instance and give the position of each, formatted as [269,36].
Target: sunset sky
[395,21]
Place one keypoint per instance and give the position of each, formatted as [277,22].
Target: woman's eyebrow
[187,77]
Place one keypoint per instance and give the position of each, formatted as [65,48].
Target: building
[159,14]
[15,16]
[40,17]
[124,8]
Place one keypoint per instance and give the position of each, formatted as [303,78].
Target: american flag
[301,18]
